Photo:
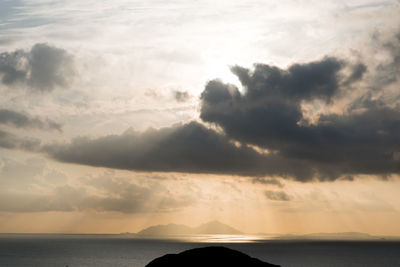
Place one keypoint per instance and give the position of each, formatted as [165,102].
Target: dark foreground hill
[209,257]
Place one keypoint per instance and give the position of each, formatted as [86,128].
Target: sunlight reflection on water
[218,238]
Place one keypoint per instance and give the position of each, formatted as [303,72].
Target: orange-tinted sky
[270,117]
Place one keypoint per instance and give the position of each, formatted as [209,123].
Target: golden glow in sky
[119,115]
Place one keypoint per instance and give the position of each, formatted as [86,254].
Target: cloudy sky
[271,117]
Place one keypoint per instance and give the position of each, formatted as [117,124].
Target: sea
[34,250]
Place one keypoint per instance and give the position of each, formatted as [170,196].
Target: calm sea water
[114,251]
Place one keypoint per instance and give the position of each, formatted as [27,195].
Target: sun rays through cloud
[274,118]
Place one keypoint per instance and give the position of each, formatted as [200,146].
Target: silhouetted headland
[209,257]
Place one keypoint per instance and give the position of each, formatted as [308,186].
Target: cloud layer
[21,120]
[43,68]
[182,148]
[264,130]
[269,115]
[31,186]
[276,195]
[11,141]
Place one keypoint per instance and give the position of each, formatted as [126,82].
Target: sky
[272,117]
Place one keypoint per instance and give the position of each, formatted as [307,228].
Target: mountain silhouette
[169,229]
[213,227]
[209,257]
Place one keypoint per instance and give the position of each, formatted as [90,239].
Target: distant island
[213,227]
[218,228]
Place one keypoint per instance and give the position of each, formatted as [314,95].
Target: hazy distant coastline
[209,228]
[213,231]
[217,228]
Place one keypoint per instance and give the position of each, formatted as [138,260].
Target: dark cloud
[43,68]
[181,148]
[181,96]
[270,107]
[267,181]
[277,195]
[358,72]
[268,115]
[189,148]
[21,120]
[317,79]
[11,141]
